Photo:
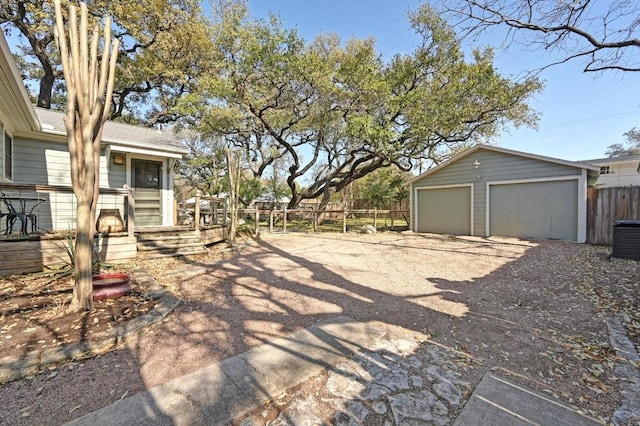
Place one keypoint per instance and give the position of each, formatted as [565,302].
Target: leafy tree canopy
[631,147]
[383,189]
[164,46]
[335,111]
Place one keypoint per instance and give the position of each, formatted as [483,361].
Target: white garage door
[535,210]
[444,210]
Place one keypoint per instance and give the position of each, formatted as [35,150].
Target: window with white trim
[605,170]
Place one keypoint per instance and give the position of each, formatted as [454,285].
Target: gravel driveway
[534,311]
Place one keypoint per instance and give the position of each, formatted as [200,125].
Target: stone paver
[627,371]
[397,381]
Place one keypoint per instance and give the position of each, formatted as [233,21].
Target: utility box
[626,238]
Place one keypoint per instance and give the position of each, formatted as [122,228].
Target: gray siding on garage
[535,210]
[445,210]
[494,166]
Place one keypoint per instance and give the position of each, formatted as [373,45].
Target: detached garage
[491,191]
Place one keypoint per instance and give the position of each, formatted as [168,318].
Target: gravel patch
[533,311]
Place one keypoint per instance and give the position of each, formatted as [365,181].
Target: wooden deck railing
[58,212]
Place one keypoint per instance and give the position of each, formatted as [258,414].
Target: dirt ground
[533,311]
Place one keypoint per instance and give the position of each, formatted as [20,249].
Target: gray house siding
[1,150]
[47,163]
[491,166]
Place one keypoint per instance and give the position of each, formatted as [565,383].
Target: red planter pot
[110,286]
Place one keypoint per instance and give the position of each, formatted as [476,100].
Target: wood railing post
[225,211]
[391,214]
[131,208]
[175,212]
[196,214]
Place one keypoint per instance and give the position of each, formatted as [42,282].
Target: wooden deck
[41,252]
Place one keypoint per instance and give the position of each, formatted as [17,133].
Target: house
[491,191]
[617,171]
[35,160]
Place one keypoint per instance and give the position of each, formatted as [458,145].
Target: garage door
[535,210]
[444,210]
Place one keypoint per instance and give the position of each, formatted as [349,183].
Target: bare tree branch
[606,34]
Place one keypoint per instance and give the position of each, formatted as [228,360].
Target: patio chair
[11,218]
[24,219]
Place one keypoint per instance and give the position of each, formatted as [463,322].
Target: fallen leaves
[33,314]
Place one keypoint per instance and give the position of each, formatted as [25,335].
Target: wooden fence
[606,204]
[326,220]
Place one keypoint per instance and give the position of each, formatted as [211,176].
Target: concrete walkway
[498,402]
[224,391]
[227,390]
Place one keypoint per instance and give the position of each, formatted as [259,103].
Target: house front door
[147,186]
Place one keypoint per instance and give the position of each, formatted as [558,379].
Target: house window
[605,170]
[8,156]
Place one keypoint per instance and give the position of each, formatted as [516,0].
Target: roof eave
[20,97]
[478,147]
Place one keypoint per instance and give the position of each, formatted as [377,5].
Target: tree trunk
[233,173]
[46,87]
[83,291]
[89,93]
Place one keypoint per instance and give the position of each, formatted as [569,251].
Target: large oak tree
[164,47]
[334,111]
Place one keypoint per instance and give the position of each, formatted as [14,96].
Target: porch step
[163,253]
[166,244]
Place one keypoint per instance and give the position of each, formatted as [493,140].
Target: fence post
[271,222]
[257,220]
[344,221]
[391,215]
[284,220]
[375,218]
[315,220]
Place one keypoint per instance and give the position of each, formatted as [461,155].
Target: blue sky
[581,114]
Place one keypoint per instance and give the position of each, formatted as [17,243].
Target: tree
[90,80]
[164,45]
[333,113]
[603,35]
[204,169]
[382,189]
[233,175]
[631,147]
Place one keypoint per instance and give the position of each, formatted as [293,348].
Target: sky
[580,114]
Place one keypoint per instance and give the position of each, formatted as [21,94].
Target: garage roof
[478,147]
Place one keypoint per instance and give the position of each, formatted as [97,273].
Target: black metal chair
[23,216]
[11,217]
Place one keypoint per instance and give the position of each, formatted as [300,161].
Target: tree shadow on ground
[278,287]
